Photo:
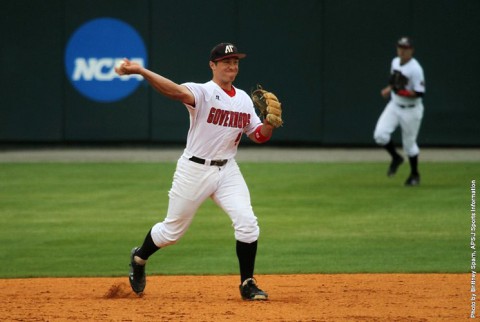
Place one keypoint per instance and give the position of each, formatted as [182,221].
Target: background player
[405,109]
[219,114]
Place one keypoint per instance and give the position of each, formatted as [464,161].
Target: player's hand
[386,92]
[128,67]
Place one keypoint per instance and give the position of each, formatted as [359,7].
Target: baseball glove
[268,105]
[398,81]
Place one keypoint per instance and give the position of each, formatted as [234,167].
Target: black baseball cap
[405,42]
[225,50]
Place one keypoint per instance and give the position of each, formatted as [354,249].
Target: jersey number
[238,138]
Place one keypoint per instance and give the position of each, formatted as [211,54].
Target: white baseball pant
[192,184]
[408,118]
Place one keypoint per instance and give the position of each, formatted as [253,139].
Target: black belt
[406,106]
[212,162]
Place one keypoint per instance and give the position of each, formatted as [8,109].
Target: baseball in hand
[118,67]
[120,63]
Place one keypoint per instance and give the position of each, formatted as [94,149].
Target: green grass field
[59,219]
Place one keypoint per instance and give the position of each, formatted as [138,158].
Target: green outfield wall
[327,61]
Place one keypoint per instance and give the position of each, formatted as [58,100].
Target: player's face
[405,54]
[225,70]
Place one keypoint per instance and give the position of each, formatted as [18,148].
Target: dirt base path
[340,297]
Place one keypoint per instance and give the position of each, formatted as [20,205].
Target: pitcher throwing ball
[405,109]
[219,115]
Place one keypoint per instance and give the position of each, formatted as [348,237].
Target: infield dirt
[320,297]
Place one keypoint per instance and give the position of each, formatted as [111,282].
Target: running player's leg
[410,123]
[233,197]
[386,125]
[192,184]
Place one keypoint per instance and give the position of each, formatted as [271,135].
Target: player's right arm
[162,84]
[386,91]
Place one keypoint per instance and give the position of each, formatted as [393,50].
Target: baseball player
[405,109]
[219,114]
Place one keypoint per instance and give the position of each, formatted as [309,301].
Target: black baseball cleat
[137,274]
[392,169]
[250,291]
[413,180]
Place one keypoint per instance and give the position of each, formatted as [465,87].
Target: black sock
[246,254]
[148,247]
[390,147]
[414,165]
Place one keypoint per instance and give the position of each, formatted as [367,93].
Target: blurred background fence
[326,59]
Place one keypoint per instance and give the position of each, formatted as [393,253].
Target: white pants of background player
[409,119]
[192,184]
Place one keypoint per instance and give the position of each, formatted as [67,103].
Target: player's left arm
[262,133]
[271,110]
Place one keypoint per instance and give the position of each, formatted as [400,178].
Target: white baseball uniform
[217,122]
[403,111]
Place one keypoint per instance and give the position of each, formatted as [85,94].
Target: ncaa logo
[92,53]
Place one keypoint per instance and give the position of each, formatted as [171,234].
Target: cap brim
[237,55]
